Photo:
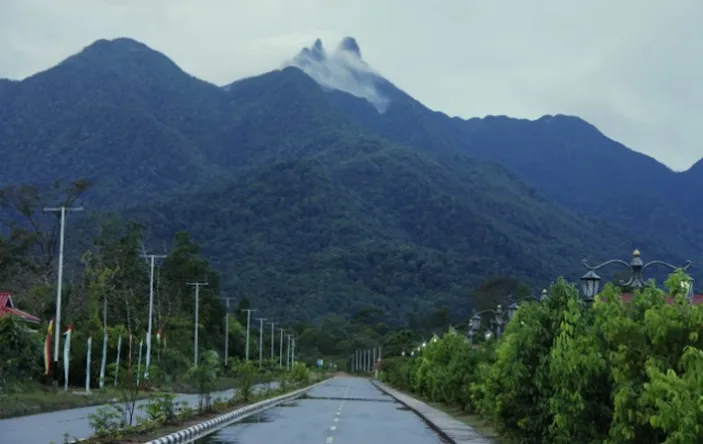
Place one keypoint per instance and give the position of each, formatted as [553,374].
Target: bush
[563,372]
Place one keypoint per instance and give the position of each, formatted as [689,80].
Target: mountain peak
[342,70]
[349,44]
[122,55]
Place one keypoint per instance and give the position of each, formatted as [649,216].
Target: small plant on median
[204,377]
[299,374]
[161,409]
[246,374]
[110,419]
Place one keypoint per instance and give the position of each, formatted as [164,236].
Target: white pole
[89,348]
[280,350]
[288,353]
[59,283]
[273,336]
[261,340]
[152,263]
[139,363]
[248,310]
[227,332]
[197,308]
[151,316]
[117,361]
[292,353]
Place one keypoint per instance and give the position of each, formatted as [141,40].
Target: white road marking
[330,439]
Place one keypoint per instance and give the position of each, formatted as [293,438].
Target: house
[7,307]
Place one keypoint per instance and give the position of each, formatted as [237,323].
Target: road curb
[439,430]
[205,428]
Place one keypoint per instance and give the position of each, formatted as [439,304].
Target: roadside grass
[33,398]
[30,399]
[148,431]
[476,422]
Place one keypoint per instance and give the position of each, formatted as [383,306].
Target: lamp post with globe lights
[590,282]
[475,322]
[515,304]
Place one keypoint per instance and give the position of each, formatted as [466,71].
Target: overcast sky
[634,68]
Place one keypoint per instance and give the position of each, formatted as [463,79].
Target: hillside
[389,226]
[310,199]
[564,157]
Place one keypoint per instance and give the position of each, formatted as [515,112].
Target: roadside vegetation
[616,372]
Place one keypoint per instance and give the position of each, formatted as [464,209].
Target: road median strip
[207,427]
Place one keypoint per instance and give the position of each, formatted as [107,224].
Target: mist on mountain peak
[342,69]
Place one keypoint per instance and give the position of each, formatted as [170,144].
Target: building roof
[7,307]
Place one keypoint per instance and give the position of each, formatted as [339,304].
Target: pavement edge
[207,427]
[390,392]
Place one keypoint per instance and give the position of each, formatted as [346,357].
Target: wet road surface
[344,410]
[44,428]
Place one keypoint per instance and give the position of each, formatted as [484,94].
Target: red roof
[697,299]
[7,307]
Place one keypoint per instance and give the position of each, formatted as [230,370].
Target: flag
[129,351]
[47,347]
[103,361]
[89,349]
[117,360]
[67,355]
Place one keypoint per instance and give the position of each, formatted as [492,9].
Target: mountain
[387,225]
[312,193]
[564,157]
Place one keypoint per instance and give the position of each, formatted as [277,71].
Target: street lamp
[590,281]
[515,304]
[475,322]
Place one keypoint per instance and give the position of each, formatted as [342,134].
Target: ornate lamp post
[515,304]
[475,322]
[590,282]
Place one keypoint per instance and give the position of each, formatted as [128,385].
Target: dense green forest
[108,283]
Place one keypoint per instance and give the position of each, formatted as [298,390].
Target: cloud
[630,67]
[343,70]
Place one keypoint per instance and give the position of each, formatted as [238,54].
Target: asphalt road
[44,428]
[344,410]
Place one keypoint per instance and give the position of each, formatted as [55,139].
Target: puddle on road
[289,404]
[228,435]
[255,419]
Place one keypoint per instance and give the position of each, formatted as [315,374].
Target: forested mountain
[313,200]
[564,157]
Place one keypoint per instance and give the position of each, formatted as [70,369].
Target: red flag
[47,347]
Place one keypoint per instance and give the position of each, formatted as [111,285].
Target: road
[344,410]
[44,428]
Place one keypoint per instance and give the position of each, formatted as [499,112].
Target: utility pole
[280,349]
[227,332]
[288,353]
[273,337]
[152,259]
[292,353]
[197,286]
[261,339]
[248,310]
[62,210]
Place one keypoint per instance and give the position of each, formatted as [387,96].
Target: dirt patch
[340,374]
